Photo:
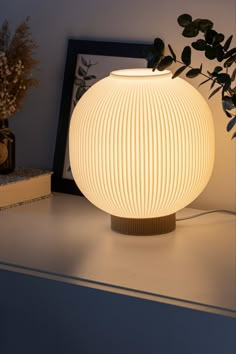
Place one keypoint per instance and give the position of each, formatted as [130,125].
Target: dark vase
[7,148]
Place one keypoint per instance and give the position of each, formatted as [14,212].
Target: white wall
[54,21]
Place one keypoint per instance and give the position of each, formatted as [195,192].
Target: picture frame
[87,62]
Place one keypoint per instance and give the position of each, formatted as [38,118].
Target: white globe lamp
[141,148]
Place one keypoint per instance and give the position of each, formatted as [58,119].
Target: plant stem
[207,76]
[189,66]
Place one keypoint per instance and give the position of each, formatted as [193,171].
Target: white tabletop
[193,266]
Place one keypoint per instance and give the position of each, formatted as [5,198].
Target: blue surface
[40,316]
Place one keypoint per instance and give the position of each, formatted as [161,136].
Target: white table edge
[117,289]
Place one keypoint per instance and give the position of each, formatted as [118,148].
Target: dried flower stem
[16,64]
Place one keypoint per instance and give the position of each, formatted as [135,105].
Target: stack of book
[24,185]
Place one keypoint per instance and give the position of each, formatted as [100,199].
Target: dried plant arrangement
[16,64]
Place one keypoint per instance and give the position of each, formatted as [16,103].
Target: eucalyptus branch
[191,67]
[214,49]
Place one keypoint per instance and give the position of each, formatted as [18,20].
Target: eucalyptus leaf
[227,43]
[219,38]
[217,69]
[190,30]
[210,36]
[186,55]
[231,124]
[210,53]
[197,22]
[172,52]
[230,61]
[234,97]
[229,53]
[193,73]
[155,53]
[234,135]
[179,71]
[204,82]
[184,20]
[205,24]
[159,45]
[213,84]
[223,78]
[226,86]
[153,59]
[229,115]
[227,103]
[219,52]
[165,63]
[200,44]
[214,92]
[233,76]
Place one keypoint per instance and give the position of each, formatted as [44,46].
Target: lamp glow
[141,144]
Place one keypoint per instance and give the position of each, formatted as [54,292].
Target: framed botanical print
[87,62]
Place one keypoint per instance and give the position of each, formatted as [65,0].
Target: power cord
[207,212]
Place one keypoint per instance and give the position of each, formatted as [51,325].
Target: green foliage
[213,46]
[179,71]
[165,62]
[186,56]
[156,53]
[193,73]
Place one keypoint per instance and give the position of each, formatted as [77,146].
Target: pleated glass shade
[141,144]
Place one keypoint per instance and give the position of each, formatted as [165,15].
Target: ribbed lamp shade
[141,144]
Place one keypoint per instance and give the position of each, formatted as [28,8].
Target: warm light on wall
[141,147]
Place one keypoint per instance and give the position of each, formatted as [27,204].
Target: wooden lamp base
[143,227]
